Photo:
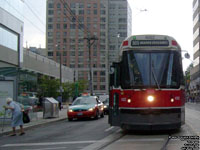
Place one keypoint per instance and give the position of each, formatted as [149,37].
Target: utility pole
[90,42]
[60,76]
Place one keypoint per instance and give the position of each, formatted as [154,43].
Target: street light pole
[89,39]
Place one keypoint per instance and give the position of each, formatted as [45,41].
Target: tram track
[124,133]
[111,142]
[166,143]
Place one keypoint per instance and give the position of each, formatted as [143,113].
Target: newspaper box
[51,108]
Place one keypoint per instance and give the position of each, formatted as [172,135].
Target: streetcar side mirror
[115,75]
[187,55]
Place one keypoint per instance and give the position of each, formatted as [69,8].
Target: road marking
[48,143]
[109,129]
[140,140]
[48,148]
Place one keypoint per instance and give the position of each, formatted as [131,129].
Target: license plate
[80,114]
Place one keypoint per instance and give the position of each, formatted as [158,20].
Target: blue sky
[169,17]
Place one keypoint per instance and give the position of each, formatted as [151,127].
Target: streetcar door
[114,94]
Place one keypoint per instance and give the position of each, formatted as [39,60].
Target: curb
[33,126]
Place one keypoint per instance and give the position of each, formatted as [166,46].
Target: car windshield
[84,101]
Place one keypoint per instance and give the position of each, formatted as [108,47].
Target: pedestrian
[17,116]
[59,99]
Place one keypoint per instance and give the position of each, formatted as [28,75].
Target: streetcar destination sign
[149,43]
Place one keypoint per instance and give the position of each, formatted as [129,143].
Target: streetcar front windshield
[151,69]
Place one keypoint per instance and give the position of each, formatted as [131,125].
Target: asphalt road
[98,135]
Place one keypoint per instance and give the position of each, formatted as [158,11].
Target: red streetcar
[147,84]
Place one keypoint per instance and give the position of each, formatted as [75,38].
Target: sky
[168,17]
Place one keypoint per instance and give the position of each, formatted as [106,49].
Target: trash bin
[51,108]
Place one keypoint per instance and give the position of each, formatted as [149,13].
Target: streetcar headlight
[150,98]
[105,106]
[129,100]
[91,109]
[172,100]
[70,110]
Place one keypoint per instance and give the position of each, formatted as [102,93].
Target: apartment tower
[69,22]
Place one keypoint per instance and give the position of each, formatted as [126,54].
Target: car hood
[85,107]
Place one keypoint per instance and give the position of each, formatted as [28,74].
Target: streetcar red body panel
[162,98]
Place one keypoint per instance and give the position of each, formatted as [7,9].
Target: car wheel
[97,115]
[70,119]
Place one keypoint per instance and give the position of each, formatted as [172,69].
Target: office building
[195,71]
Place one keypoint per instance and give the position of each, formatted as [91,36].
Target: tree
[48,87]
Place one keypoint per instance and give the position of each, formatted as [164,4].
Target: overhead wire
[25,17]
[82,28]
[34,13]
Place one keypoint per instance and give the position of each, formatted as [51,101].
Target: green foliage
[48,87]
[70,89]
[2,113]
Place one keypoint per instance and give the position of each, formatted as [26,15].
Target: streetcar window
[151,69]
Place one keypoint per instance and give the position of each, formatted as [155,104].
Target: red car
[86,107]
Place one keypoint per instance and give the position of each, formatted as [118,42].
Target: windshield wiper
[154,75]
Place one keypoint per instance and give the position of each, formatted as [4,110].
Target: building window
[95,5]
[50,53]
[81,12]
[72,26]
[50,12]
[58,5]
[64,53]
[72,53]
[102,87]
[95,12]
[88,5]
[95,87]
[102,79]
[8,39]
[64,40]
[103,12]
[122,20]
[58,26]
[88,12]
[65,19]
[102,73]
[73,5]
[65,26]
[102,26]
[81,5]
[50,5]
[50,19]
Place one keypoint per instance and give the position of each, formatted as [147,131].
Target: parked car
[106,106]
[85,107]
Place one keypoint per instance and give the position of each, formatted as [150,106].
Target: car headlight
[91,109]
[70,110]
[105,106]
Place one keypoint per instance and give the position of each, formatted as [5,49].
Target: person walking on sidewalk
[17,116]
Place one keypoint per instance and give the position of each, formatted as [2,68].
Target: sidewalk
[39,121]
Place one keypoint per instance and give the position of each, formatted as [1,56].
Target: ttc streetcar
[146,84]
